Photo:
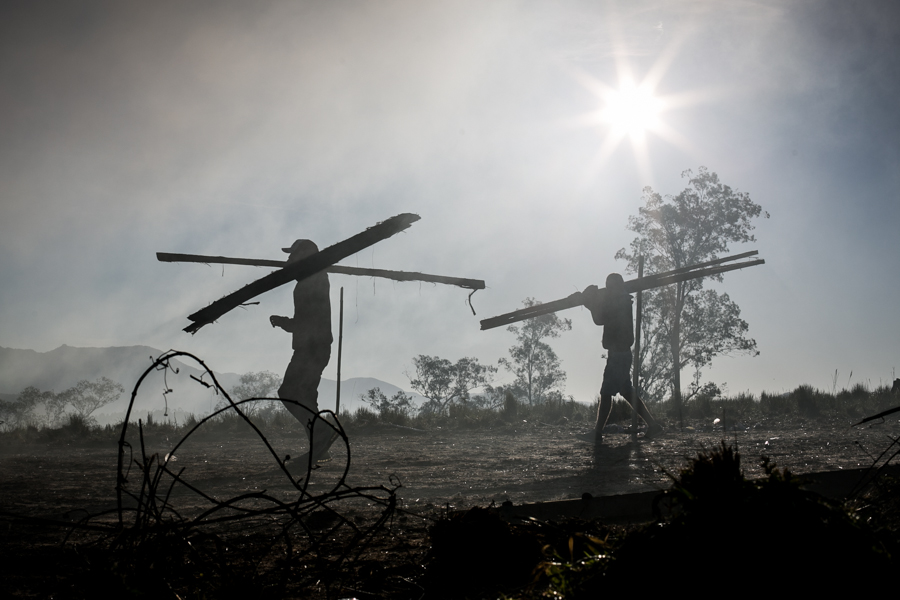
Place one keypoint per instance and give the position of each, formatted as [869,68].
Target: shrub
[775,404]
[807,401]
[774,518]
[397,409]
[78,425]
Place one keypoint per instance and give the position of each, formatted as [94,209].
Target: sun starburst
[633,109]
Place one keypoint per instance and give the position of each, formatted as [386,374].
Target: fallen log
[472,284]
[634,285]
[301,269]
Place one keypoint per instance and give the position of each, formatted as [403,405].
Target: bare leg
[606,407]
[603,410]
[644,413]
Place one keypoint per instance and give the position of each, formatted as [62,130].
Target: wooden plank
[631,286]
[301,269]
[472,284]
[709,263]
[218,260]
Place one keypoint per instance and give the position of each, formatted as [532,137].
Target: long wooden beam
[301,269]
[472,284]
[708,263]
[634,285]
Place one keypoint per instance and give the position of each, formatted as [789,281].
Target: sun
[631,110]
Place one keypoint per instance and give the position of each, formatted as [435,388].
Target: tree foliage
[397,407]
[444,383]
[44,409]
[34,408]
[534,363]
[258,384]
[86,397]
[25,410]
[685,324]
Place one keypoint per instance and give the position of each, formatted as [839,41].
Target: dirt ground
[437,471]
[521,463]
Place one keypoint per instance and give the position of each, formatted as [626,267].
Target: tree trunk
[530,379]
[531,372]
[675,344]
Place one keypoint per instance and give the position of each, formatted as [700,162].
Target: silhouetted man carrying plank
[310,328]
[611,308]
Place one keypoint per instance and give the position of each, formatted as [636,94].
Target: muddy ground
[521,462]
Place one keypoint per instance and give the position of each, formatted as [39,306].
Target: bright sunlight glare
[631,110]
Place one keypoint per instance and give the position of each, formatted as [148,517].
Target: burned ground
[438,471]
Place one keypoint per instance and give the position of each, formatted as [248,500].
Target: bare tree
[87,396]
[259,384]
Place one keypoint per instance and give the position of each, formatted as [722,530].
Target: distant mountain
[63,367]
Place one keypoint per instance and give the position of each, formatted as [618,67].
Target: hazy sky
[233,128]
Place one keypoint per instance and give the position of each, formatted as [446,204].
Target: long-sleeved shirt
[311,324]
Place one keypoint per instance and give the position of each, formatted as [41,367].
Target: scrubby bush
[774,518]
[810,402]
[776,404]
[79,426]
[397,410]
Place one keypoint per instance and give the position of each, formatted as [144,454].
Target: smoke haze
[233,129]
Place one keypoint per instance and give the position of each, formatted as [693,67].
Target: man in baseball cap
[310,328]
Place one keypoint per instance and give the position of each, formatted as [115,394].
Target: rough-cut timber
[472,284]
[301,269]
[631,286]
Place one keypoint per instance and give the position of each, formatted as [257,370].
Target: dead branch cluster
[253,542]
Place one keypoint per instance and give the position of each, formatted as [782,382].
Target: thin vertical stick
[337,402]
[636,368]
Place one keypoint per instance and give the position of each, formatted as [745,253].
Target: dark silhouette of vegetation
[713,525]
[707,410]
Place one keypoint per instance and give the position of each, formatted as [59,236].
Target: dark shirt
[311,325]
[615,314]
